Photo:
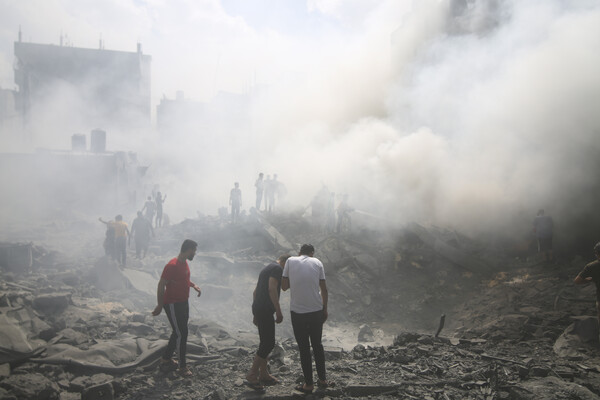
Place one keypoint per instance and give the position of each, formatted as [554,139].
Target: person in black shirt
[591,273]
[266,302]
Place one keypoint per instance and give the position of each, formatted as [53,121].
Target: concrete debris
[76,326]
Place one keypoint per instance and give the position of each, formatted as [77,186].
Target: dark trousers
[178,314]
[141,244]
[308,329]
[121,250]
[266,333]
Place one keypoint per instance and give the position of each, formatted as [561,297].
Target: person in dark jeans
[172,294]
[305,276]
[265,303]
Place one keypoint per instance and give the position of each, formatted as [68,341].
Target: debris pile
[79,327]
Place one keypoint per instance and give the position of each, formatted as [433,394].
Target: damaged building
[81,87]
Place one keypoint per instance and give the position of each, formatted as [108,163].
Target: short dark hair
[307,249]
[119,218]
[597,248]
[188,244]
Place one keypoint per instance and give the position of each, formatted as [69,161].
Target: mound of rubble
[73,325]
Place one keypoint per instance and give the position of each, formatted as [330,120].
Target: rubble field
[415,313]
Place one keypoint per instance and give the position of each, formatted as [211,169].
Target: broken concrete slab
[452,253]
[102,391]
[31,386]
[52,303]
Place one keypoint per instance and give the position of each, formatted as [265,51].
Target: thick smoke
[469,114]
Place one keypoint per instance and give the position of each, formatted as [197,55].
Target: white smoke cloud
[472,116]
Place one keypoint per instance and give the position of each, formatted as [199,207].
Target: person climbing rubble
[109,239]
[264,305]
[305,277]
[591,273]
[172,294]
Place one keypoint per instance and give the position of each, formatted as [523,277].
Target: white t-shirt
[304,273]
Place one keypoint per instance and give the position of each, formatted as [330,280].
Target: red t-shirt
[177,275]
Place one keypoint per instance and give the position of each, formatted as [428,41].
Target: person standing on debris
[172,294]
[591,273]
[159,208]
[543,227]
[109,239]
[150,208]
[266,302]
[140,230]
[305,276]
[260,187]
[235,201]
[121,234]
[269,194]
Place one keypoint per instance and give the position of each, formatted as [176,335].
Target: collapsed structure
[77,326]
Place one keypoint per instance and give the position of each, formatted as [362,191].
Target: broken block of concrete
[52,303]
[32,386]
[102,391]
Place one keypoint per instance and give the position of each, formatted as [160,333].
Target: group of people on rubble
[322,206]
[323,212]
[303,275]
[118,235]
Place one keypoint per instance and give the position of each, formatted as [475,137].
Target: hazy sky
[421,110]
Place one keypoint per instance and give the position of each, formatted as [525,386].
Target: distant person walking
[159,208]
[265,303]
[591,273]
[305,277]
[121,231]
[260,187]
[543,226]
[172,294]
[235,201]
[141,229]
[150,208]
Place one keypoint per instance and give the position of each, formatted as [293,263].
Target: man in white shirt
[305,276]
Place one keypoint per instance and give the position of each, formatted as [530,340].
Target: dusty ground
[514,328]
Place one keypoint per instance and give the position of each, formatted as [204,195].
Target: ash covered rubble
[76,326]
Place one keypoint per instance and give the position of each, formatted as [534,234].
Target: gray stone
[31,386]
[102,391]
[138,329]
[52,303]
[4,371]
[82,382]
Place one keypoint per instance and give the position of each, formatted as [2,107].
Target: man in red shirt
[172,295]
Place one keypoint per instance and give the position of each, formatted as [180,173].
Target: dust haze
[466,114]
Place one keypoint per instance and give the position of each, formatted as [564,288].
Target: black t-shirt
[593,270]
[262,302]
